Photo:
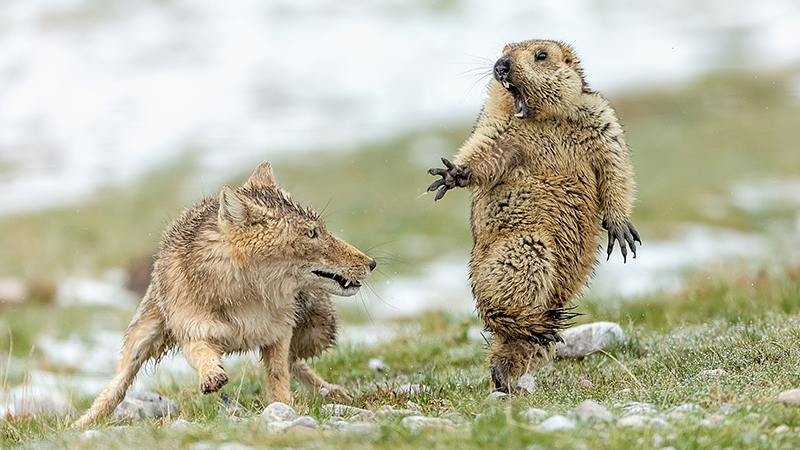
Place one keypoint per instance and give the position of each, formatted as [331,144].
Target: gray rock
[790,397]
[411,390]
[231,407]
[348,411]
[418,423]
[658,422]
[139,405]
[557,423]
[781,429]
[498,396]
[713,373]
[181,424]
[534,414]
[479,335]
[583,340]
[390,411]
[305,421]
[355,427]
[589,410]
[526,384]
[632,408]
[233,445]
[279,425]
[635,421]
[278,412]
[376,364]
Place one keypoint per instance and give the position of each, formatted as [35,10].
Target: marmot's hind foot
[500,380]
[452,176]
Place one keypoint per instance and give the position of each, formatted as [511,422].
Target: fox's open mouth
[343,282]
[520,108]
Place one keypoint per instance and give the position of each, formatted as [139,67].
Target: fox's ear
[262,176]
[232,207]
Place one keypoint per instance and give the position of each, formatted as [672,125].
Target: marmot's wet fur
[547,165]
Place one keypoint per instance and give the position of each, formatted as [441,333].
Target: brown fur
[243,269]
[546,160]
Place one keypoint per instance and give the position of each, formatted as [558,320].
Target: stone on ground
[585,339]
[557,423]
[140,405]
[590,410]
[278,412]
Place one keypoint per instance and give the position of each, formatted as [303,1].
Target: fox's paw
[626,234]
[335,391]
[213,380]
[452,176]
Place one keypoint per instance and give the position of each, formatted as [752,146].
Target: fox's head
[267,231]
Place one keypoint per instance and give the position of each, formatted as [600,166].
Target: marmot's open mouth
[343,282]
[520,108]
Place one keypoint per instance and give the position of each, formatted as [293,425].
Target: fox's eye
[312,233]
[541,56]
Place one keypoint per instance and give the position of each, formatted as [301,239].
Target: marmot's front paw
[624,233]
[452,176]
[213,380]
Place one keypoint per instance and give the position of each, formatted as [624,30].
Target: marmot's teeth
[506,84]
[518,115]
[347,284]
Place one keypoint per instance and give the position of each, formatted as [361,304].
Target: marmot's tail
[144,339]
[539,326]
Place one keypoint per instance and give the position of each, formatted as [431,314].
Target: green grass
[757,347]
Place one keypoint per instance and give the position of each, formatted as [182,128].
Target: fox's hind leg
[313,333]
[206,358]
[145,339]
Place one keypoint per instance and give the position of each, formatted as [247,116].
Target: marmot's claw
[627,236]
[452,176]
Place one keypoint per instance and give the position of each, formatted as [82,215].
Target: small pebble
[658,422]
[635,421]
[625,391]
[586,384]
[557,423]
[781,429]
[278,412]
[376,364]
[590,410]
[498,396]
[348,411]
[534,414]
[790,397]
[305,421]
[417,423]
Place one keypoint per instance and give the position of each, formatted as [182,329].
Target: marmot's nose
[372,264]
[502,68]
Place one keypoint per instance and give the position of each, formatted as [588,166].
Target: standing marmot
[545,161]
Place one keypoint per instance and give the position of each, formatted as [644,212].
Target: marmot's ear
[262,176]
[569,57]
[232,207]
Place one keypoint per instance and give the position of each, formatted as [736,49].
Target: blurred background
[115,115]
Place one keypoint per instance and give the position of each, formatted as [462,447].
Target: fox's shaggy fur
[546,161]
[243,269]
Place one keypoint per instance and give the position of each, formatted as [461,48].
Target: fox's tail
[144,339]
[535,325]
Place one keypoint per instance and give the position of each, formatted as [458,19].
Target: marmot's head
[540,77]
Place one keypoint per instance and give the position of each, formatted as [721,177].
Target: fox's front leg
[276,362]
[452,176]
[206,358]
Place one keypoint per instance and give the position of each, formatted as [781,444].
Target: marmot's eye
[541,56]
[312,233]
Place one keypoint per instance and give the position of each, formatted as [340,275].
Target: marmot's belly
[559,214]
